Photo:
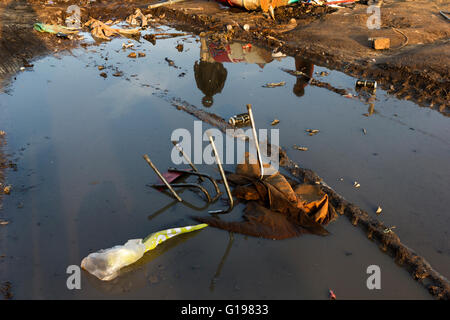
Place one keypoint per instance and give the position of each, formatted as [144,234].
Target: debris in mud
[55,29]
[180,47]
[150,38]
[274,84]
[389,230]
[138,19]
[276,207]
[366,84]
[127,45]
[5,290]
[312,132]
[7,189]
[62,35]
[100,30]
[239,119]
[106,264]
[380,43]
[300,148]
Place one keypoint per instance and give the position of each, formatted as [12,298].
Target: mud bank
[415,68]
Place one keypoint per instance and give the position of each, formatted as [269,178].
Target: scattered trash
[150,38]
[132,55]
[246,27]
[364,131]
[332,295]
[55,29]
[300,148]
[103,74]
[118,74]
[100,68]
[275,207]
[312,131]
[127,45]
[274,84]
[7,190]
[152,6]
[366,84]
[378,210]
[278,54]
[106,264]
[356,184]
[170,62]
[389,230]
[180,47]
[102,31]
[137,19]
[275,122]
[239,120]
[380,43]
[62,35]
[247,46]
[324,73]
[3,222]
[141,54]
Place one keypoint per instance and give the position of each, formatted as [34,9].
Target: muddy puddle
[78,140]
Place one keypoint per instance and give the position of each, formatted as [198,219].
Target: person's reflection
[307,68]
[210,78]
[210,73]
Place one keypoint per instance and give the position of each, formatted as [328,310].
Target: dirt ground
[415,68]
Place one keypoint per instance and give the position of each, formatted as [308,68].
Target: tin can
[367,84]
[239,119]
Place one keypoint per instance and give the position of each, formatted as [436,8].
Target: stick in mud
[146,157]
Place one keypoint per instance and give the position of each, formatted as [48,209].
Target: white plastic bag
[106,264]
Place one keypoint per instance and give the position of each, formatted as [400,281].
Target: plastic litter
[55,29]
[106,264]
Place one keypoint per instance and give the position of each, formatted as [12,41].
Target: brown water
[78,140]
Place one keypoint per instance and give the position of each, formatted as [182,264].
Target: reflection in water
[222,262]
[306,67]
[210,78]
[210,73]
